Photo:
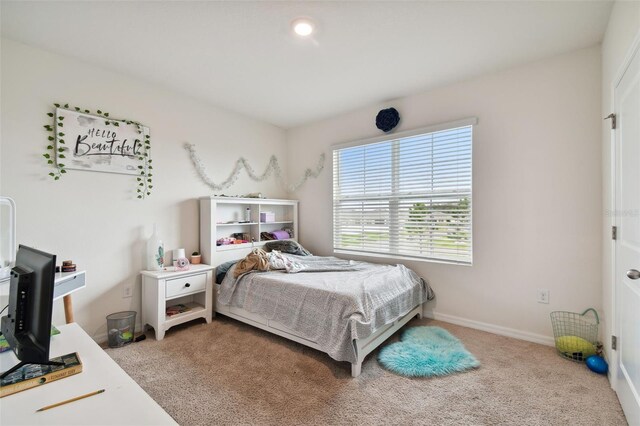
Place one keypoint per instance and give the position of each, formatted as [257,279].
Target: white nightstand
[160,289]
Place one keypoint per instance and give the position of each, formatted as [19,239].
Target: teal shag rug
[427,352]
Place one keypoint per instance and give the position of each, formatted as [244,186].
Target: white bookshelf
[223,216]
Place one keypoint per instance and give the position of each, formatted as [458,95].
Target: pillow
[221,270]
[287,246]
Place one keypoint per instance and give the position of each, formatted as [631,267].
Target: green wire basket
[575,335]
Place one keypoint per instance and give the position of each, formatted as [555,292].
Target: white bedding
[330,301]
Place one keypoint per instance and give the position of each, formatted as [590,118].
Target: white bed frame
[211,254]
[363,347]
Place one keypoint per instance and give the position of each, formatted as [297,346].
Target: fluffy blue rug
[427,352]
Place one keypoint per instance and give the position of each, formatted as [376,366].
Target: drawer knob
[187,285]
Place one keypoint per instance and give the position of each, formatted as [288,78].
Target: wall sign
[93,145]
[96,142]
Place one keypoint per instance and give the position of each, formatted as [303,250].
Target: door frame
[614,326]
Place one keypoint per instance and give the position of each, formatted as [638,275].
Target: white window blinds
[408,196]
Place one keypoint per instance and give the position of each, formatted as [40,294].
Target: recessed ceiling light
[303,27]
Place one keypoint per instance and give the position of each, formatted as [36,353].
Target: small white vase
[155,251]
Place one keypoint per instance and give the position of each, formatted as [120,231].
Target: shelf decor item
[97,142]
[155,251]
[196,258]
[267,217]
[182,264]
[177,254]
[68,266]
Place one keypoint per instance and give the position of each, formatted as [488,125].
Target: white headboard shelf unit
[221,217]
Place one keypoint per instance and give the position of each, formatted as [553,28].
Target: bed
[341,307]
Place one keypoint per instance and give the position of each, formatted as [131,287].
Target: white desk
[65,284]
[122,403]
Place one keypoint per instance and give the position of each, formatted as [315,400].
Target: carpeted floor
[227,372]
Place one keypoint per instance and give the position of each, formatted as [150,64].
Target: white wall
[94,218]
[624,26]
[537,199]
[537,174]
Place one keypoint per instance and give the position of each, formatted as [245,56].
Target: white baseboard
[465,322]
[492,328]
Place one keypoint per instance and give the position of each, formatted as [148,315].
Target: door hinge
[614,232]
[612,116]
[614,342]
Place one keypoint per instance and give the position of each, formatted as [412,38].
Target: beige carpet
[227,372]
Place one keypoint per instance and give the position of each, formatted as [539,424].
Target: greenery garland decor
[56,146]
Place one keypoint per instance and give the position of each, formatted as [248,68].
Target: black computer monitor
[27,326]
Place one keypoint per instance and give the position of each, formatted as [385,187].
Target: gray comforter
[331,301]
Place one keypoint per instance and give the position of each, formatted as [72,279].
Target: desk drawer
[187,285]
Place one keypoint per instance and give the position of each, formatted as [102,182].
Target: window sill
[400,257]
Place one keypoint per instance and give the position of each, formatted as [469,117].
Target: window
[407,196]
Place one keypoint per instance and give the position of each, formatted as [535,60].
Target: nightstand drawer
[187,285]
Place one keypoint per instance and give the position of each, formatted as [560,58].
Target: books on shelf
[34,375]
[177,309]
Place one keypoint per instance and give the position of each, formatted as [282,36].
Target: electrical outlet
[543,295]
[127,291]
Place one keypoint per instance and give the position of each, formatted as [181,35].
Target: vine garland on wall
[126,143]
[272,167]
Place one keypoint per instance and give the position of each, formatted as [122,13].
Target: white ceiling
[243,57]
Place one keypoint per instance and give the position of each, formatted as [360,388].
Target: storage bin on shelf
[267,217]
[575,335]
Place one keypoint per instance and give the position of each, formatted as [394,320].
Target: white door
[627,277]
